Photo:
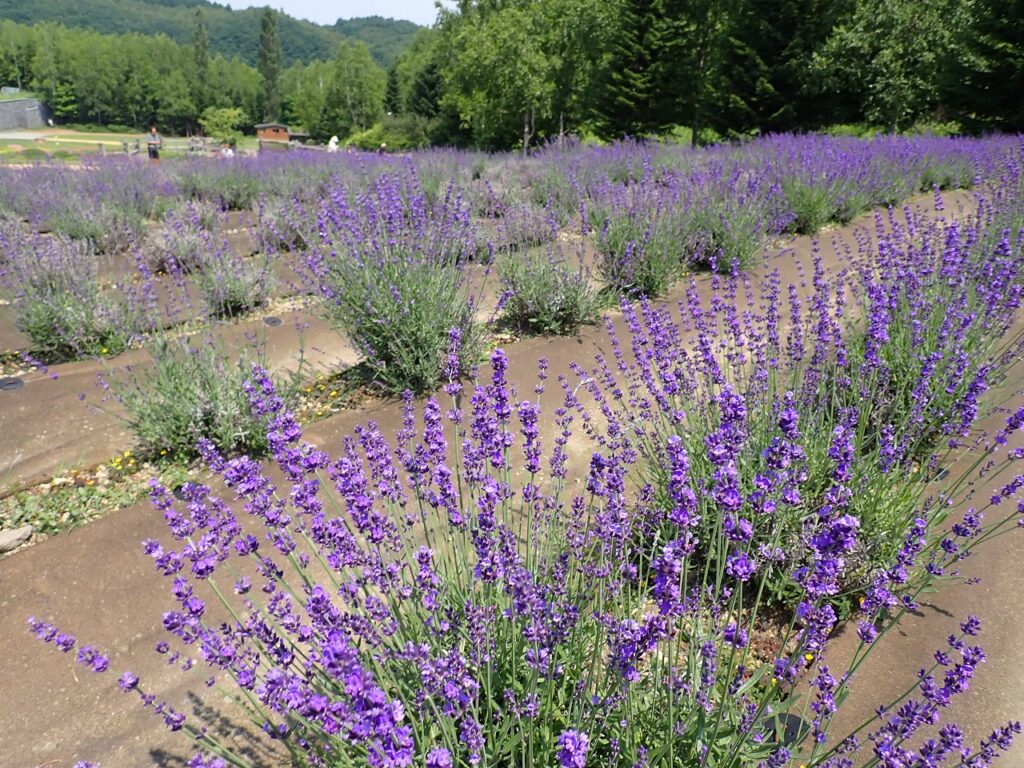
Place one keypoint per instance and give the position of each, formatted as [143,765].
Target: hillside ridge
[231,32]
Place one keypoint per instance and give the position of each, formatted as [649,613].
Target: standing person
[153,143]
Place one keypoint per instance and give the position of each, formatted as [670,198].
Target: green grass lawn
[16,96]
[73,144]
[66,145]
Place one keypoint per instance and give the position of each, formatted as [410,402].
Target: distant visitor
[153,143]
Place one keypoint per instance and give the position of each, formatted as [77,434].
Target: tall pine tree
[269,65]
[393,97]
[201,60]
[985,83]
[625,104]
[425,94]
[688,39]
[768,64]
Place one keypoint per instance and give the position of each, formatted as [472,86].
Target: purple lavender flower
[572,749]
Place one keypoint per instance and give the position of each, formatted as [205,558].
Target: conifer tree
[985,83]
[688,38]
[625,101]
[201,59]
[270,64]
[392,97]
[425,95]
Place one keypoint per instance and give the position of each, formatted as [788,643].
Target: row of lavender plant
[726,208]
[73,302]
[855,174]
[473,594]
[186,386]
[889,356]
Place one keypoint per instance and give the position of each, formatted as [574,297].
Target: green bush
[399,133]
[227,185]
[934,128]
[718,234]
[812,206]
[856,130]
[545,296]
[187,393]
[32,154]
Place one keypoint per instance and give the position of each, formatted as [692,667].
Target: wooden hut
[277,136]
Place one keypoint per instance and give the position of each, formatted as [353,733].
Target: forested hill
[231,32]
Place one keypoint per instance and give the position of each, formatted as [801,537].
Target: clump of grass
[83,495]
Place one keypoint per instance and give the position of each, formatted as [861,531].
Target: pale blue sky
[420,11]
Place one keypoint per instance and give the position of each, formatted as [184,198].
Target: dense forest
[512,73]
[725,68]
[231,32]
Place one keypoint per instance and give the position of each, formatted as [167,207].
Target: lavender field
[633,455]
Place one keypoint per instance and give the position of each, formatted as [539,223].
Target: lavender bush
[229,186]
[638,244]
[279,225]
[389,271]
[108,229]
[184,238]
[519,228]
[546,295]
[889,387]
[61,304]
[189,391]
[231,285]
